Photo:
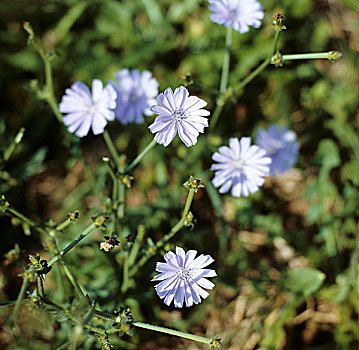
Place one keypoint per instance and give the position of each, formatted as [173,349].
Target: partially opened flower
[136,93]
[280,145]
[183,277]
[238,14]
[85,110]
[178,113]
[241,167]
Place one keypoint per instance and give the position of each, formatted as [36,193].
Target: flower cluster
[183,277]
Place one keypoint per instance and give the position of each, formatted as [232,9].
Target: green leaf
[305,281]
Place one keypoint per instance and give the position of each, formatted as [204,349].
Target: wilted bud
[193,184]
[278,22]
[126,180]
[73,216]
[216,344]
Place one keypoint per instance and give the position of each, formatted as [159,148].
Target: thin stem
[63,225]
[124,286]
[168,236]
[72,244]
[141,155]
[151,327]
[306,56]
[26,220]
[71,277]
[16,140]
[217,112]
[40,287]
[115,191]
[225,67]
[19,300]
[136,245]
[260,68]
[111,148]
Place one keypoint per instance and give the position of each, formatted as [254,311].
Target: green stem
[19,300]
[63,225]
[136,246]
[151,327]
[40,287]
[217,112]
[225,67]
[124,286]
[111,148]
[72,244]
[307,56]
[16,140]
[141,155]
[115,191]
[168,236]
[26,220]
[260,68]
[71,277]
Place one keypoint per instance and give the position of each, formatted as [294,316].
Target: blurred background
[306,219]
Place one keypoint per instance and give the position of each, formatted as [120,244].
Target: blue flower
[178,113]
[238,14]
[136,93]
[280,145]
[183,277]
[241,166]
[85,110]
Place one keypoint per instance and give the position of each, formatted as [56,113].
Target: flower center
[183,274]
[233,13]
[238,164]
[177,115]
[92,109]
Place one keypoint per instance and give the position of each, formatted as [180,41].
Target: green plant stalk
[26,220]
[141,155]
[136,246]
[168,236]
[226,59]
[115,192]
[40,287]
[306,56]
[16,140]
[111,148]
[19,300]
[63,225]
[196,338]
[261,67]
[71,277]
[124,286]
[72,244]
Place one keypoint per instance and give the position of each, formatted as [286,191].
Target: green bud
[4,204]
[335,56]
[277,60]
[278,22]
